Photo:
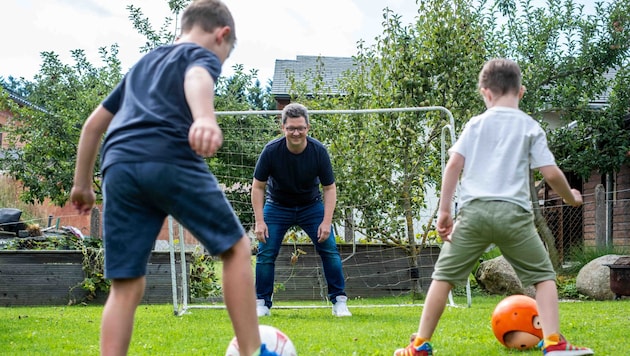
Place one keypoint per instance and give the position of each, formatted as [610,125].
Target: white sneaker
[340,308]
[261,308]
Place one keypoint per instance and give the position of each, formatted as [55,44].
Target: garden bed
[53,277]
[370,271]
[48,277]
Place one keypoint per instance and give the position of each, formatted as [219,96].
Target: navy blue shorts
[138,196]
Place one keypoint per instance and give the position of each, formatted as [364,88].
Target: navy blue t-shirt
[293,179]
[152,117]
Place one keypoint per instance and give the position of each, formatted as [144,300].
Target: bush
[567,288]
[578,257]
[204,281]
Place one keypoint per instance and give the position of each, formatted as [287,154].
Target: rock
[593,280]
[497,276]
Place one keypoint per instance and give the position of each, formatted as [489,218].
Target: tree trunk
[600,216]
[541,225]
[413,247]
[348,226]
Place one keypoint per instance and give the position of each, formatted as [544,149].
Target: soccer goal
[384,162]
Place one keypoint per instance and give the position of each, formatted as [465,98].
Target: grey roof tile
[305,67]
[20,100]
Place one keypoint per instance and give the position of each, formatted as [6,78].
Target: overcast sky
[266,30]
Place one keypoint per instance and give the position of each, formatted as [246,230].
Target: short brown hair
[209,14]
[294,110]
[501,76]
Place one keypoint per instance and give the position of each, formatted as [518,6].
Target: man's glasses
[300,129]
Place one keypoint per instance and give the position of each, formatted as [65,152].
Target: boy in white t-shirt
[494,155]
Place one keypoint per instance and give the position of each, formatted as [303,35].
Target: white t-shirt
[500,147]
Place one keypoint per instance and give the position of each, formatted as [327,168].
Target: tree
[14,84]
[565,55]
[243,136]
[43,138]
[166,34]
[385,162]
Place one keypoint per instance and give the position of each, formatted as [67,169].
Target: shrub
[204,281]
[578,257]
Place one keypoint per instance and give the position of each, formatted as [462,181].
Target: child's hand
[445,226]
[577,198]
[82,199]
[205,137]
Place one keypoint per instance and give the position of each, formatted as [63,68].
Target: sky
[266,30]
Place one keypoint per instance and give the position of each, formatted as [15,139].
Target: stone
[497,276]
[593,280]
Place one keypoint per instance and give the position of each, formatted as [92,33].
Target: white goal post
[180,293]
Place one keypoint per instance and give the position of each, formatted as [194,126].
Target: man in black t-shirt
[286,193]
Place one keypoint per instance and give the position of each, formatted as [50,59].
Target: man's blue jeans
[279,219]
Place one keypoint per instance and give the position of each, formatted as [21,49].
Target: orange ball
[515,322]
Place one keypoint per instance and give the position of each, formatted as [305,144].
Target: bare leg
[118,315]
[433,308]
[240,296]
[547,303]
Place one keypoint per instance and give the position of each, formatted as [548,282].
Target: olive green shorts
[507,225]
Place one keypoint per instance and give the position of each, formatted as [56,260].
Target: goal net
[387,164]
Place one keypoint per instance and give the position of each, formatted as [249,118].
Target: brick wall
[3,121]
[621,207]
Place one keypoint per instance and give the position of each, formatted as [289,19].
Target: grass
[372,330]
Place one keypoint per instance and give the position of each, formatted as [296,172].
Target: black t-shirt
[294,179]
[152,118]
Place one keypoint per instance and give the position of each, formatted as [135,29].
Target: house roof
[20,100]
[331,68]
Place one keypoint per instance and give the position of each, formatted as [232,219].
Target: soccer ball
[515,322]
[274,339]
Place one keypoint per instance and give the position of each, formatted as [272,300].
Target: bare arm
[258,199]
[205,135]
[558,182]
[330,201]
[82,193]
[452,171]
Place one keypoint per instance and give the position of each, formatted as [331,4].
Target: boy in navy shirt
[160,125]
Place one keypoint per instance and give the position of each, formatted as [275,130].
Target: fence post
[95,223]
[600,216]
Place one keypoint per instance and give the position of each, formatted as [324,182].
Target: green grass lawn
[372,330]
